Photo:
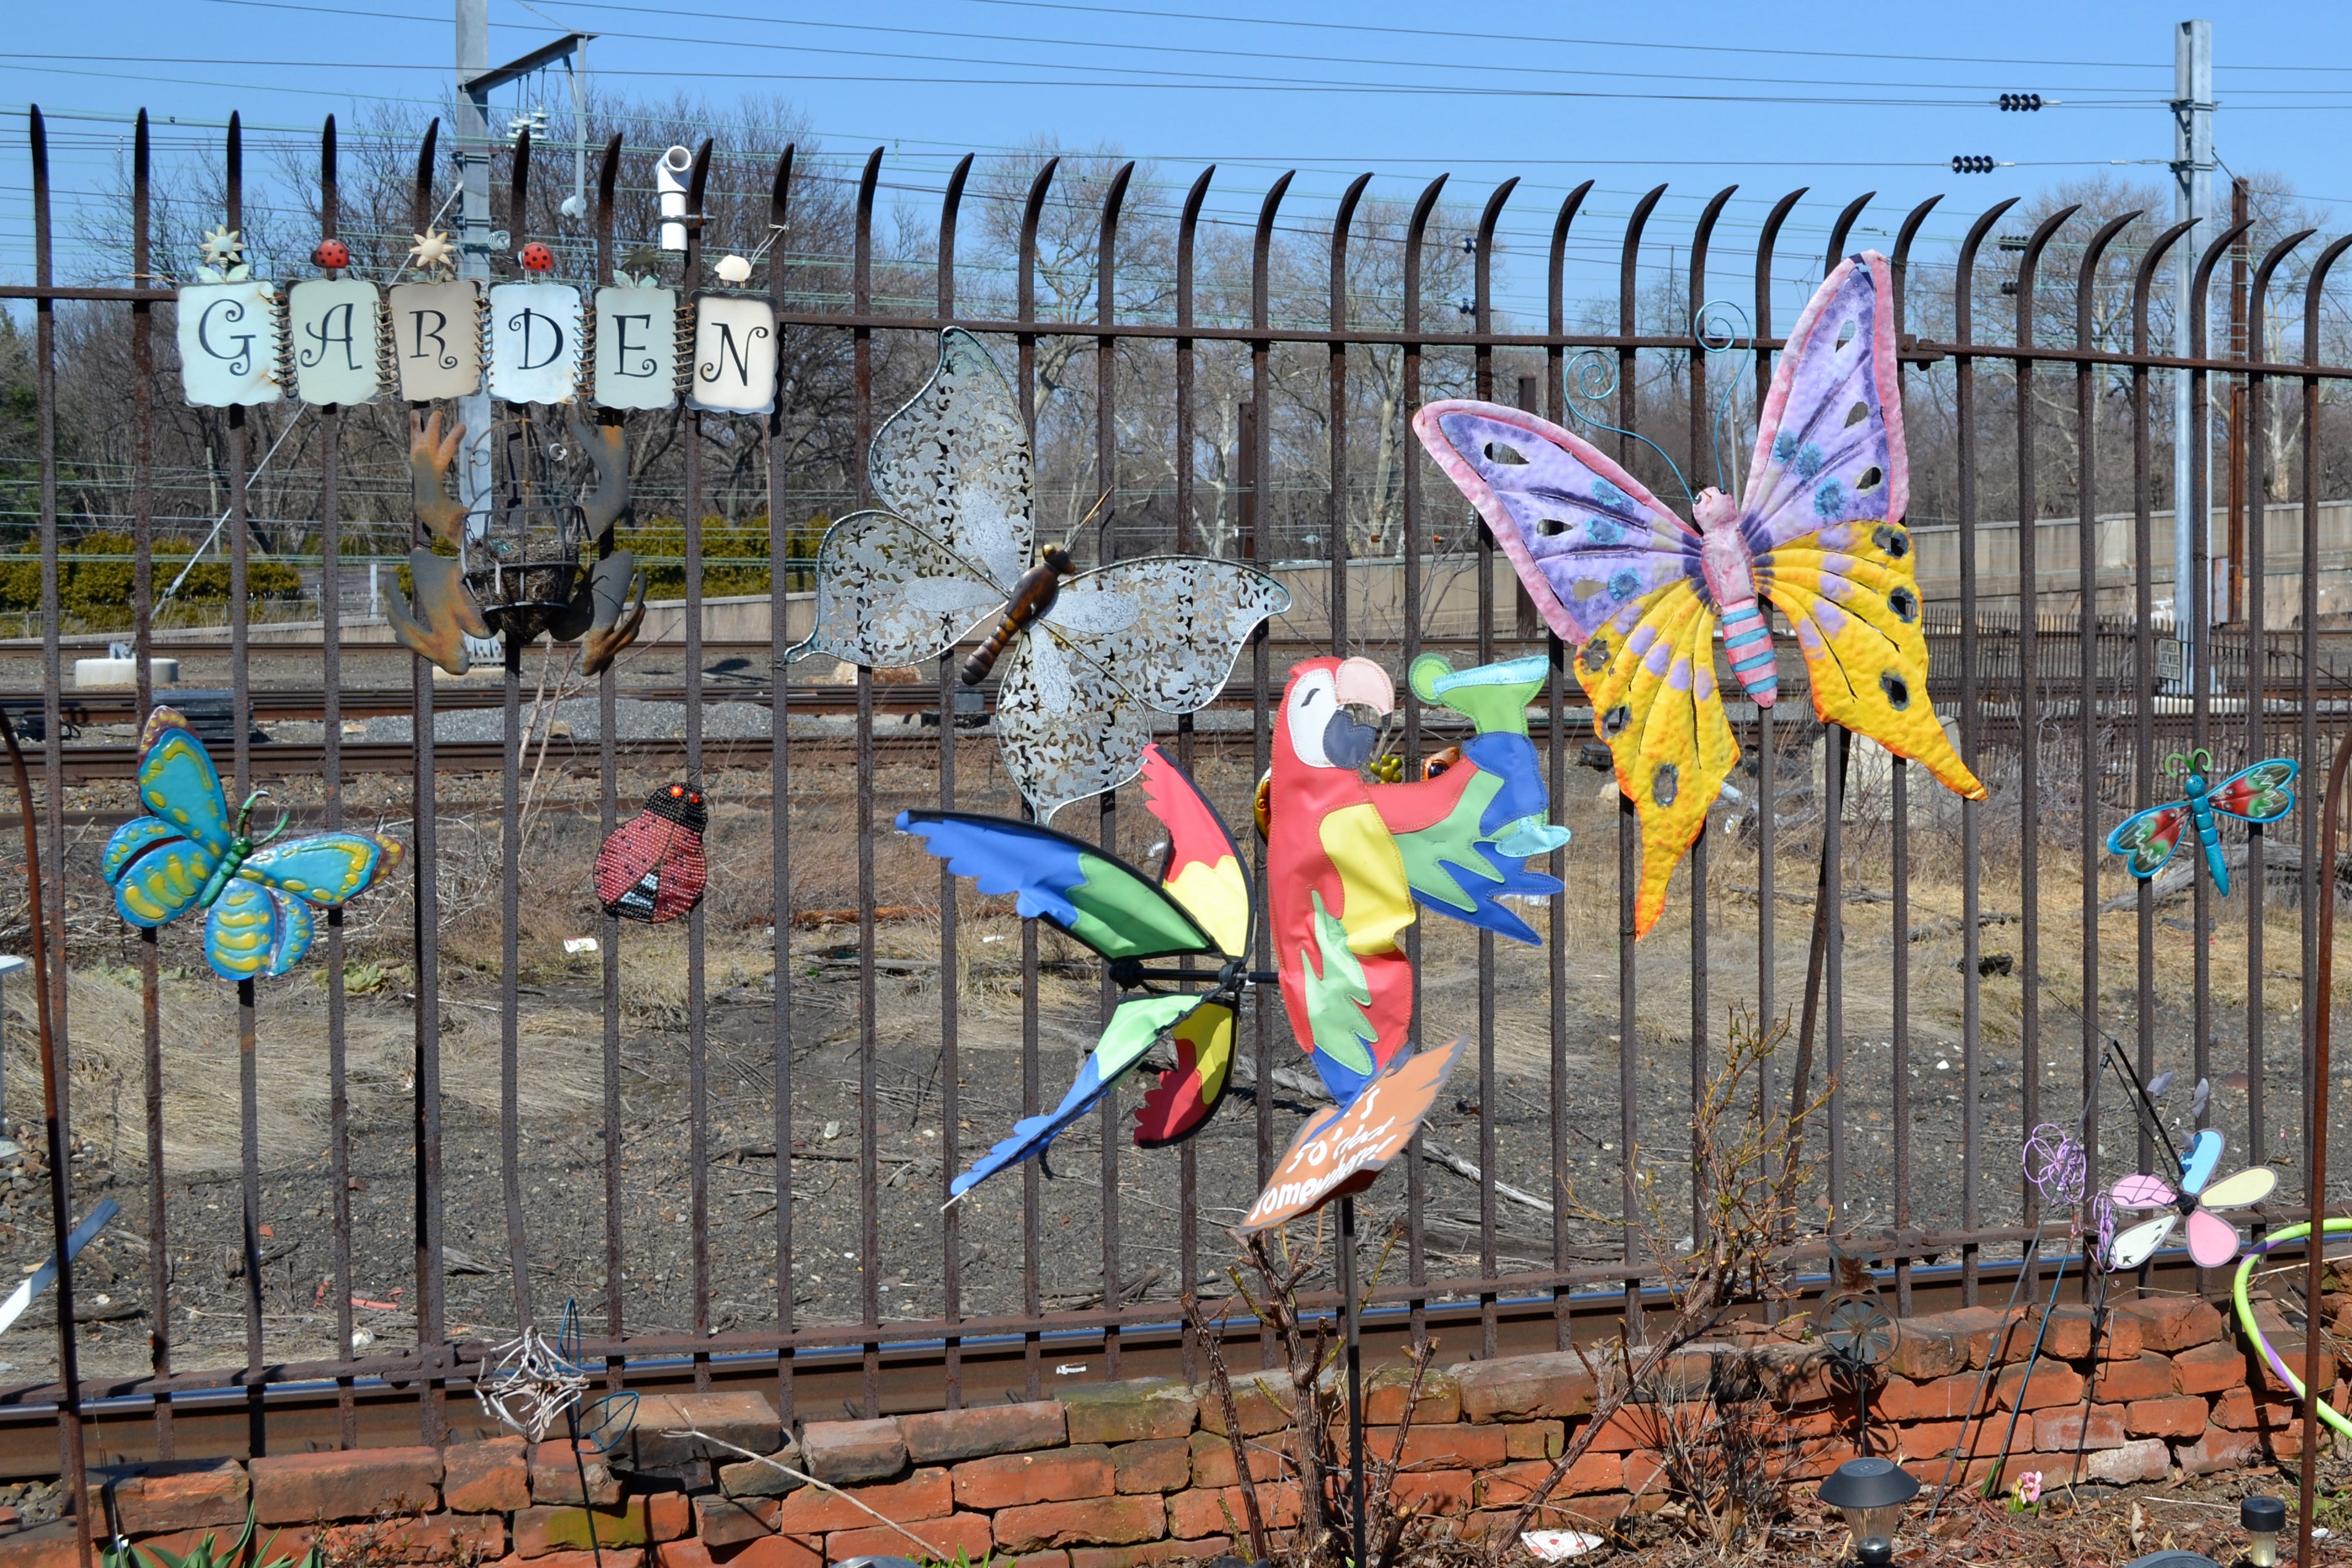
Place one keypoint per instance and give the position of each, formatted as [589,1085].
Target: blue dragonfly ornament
[194,854]
[2257,794]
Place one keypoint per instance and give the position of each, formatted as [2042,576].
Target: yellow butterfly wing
[1654,702]
[1850,592]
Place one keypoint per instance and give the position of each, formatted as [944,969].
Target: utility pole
[2240,254]
[473,149]
[2193,199]
[475,82]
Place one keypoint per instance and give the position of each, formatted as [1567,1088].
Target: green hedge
[96,578]
[727,550]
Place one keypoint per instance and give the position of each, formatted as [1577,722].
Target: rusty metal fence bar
[2064,711]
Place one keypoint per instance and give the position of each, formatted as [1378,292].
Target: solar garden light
[2262,1517]
[1871,1493]
[1875,1553]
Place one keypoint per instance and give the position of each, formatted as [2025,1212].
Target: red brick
[966,1533]
[1523,1388]
[1041,1560]
[1940,1399]
[444,1537]
[1633,1426]
[1472,1446]
[1155,1465]
[736,1416]
[1510,1484]
[1984,1434]
[2171,1324]
[555,1472]
[753,1477]
[613,1557]
[1093,1522]
[924,1495]
[2062,1431]
[723,1521]
[1992,1332]
[2176,1415]
[2239,1410]
[1645,1472]
[1432,1491]
[1440,1403]
[294,1489]
[1262,1401]
[1533,1439]
[1199,1513]
[2140,1459]
[942,1435]
[2217,1450]
[186,1494]
[2040,1386]
[2147,1377]
[1213,1461]
[1009,1480]
[2208,1369]
[2068,1337]
[541,1530]
[50,1545]
[1135,1411]
[1932,1345]
[775,1551]
[668,1515]
[1146,1554]
[844,1452]
[688,1553]
[489,1477]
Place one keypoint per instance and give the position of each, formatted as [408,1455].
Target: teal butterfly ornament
[194,853]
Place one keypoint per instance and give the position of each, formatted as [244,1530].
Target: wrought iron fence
[1831,890]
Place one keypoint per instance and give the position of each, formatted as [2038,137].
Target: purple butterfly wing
[1585,536]
[2143,1192]
[2212,1240]
[1829,445]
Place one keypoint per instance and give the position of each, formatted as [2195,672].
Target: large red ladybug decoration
[652,867]
[333,253]
[537,258]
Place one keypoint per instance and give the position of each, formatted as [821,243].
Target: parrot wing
[1453,830]
[1129,1034]
[1086,891]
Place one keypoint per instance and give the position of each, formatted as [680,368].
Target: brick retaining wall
[1125,1475]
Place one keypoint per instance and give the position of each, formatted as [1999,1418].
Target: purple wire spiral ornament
[2057,1167]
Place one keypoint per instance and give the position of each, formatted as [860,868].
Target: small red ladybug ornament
[333,253]
[537,258]
[652,867]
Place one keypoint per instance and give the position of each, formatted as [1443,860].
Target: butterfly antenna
[1089,522]
[1722,329]
[1594,377]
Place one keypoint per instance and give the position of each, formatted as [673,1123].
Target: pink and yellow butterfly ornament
[2193,1203]
[1816,533]
[193,854]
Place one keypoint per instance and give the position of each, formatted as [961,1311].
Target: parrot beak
[1358,682]
[1363,684]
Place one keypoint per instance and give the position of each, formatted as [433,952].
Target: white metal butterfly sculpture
[1086,658]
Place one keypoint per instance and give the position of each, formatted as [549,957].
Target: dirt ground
[559,1063]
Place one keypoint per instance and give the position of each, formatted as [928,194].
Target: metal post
[472,112]
[1355,1376]
[2192,200]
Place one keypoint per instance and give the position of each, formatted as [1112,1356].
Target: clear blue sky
[1842,98]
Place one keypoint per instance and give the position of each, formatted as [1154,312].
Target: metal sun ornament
[222,251]
[432,252]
